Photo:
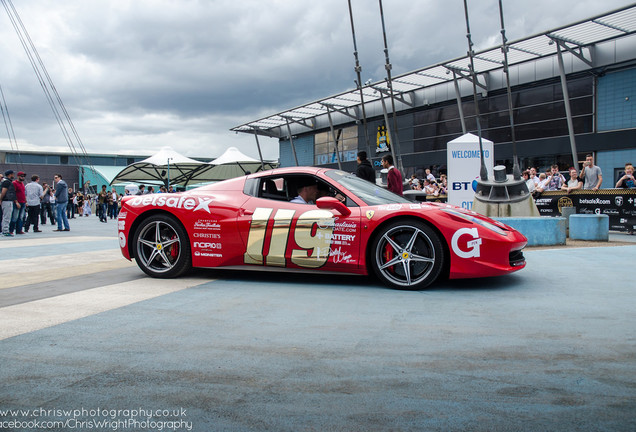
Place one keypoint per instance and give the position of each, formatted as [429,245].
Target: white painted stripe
[25,271]
[44,241]
[36,315]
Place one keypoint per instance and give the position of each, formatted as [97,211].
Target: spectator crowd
[28,206]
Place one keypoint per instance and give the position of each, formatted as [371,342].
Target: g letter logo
[472,245]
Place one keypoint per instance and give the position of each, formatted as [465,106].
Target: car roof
[289,170]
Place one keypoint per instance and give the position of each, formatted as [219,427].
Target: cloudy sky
[139,75]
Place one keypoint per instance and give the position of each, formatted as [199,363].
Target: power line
[46,83]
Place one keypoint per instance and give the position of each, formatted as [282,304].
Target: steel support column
[333,135]
[459,103]
[358,69]
[260,155]
[566,102]
[388,129]
[388,67]
[516,171]
[291,141]
[483,172]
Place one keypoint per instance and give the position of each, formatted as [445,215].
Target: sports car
[353,226]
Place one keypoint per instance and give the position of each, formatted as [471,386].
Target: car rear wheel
[407,255]
[162,248]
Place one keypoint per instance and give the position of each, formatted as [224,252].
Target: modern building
[97,169]
[573,91]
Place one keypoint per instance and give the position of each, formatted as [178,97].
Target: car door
[278,233]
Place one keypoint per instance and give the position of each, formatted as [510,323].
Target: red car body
[248,222]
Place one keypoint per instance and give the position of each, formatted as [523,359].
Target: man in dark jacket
[19,208]
[365,170]
[61,201]
[9,199]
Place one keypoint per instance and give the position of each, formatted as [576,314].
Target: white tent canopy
[165,166]
[168,166]
[167,154]
[230,164]
[233,155]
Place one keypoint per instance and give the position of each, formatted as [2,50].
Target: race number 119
[307,226]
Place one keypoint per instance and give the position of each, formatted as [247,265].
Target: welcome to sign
[464,163]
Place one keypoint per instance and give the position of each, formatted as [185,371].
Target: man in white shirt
[591,174]
[34,194]
[307,191]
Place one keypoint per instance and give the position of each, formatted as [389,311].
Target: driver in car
[307,191]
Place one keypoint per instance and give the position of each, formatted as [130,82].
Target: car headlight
[478,221]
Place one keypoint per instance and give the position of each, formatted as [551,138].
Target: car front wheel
[162,248]
[407,255]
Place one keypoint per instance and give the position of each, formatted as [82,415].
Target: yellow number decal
[280,235]
[256,237]
[313,234]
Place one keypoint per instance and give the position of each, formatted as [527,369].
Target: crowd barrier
[618,204]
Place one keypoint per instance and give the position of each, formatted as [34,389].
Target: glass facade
[539,112]
[324,149]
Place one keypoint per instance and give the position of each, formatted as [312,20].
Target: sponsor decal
[564,202]
[121,225]
[208,254]
[178,202]
[205,224]
[338,239]
[619,201]
[596,201]
[472,245]
[611,212]
[337,255]
[370,214]
[122,215]
[415,206]
[345,226]
[206,235]
[390,207]
[207,245]
[122,240]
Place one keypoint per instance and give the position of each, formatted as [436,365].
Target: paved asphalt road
[88,342]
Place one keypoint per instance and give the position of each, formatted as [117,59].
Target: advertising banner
[464,163]
[618,204]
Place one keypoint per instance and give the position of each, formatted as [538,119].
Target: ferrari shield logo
[370,214]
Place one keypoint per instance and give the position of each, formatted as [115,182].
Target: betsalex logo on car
[184,202]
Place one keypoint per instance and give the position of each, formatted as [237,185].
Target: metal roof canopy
[573,38]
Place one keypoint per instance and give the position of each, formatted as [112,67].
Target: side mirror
[330,203]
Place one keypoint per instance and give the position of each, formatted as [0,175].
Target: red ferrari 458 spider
[314,220]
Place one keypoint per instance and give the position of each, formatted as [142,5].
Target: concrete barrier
[594,227]
[540,231]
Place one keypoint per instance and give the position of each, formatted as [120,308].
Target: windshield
[368,192]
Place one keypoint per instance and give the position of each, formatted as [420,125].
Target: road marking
[36,315]
[25,271]
[43,241]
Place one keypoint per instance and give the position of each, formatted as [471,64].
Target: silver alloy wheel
[159,246]
[405,256]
